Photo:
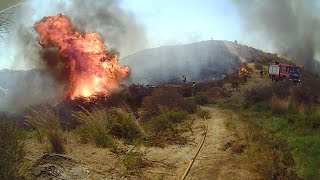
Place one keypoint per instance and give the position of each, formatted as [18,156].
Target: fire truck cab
[278,72]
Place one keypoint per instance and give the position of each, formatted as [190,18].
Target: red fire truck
[278,72]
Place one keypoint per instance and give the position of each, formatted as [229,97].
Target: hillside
[19,89]
[152,133]
[201,61]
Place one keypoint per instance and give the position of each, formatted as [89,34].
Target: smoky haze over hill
[291,27]
[201,61]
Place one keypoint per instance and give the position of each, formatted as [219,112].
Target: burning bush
[83,65]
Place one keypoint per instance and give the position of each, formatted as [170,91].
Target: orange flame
[90,70]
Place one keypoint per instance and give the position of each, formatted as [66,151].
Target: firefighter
[193,92]
[245,76]
[235,82]
[184,79]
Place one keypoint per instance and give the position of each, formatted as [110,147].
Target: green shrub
[313,120]
[166,122]
[188,105]
[164,128]
[176,116]
[203,113]
[282,90]
[134,161]
[201,99]
[11,149]
[101,126]
[123,125]
[258,66]
[161,98]
[258,94]
[136,94]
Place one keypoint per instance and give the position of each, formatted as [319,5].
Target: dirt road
[220,157]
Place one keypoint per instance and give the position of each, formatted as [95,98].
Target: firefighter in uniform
[193,88]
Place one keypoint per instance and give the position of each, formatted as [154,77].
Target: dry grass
[46,120]
[102,126]
[268,158]
[203,113]
[134,161]
[279,105]
[11,149]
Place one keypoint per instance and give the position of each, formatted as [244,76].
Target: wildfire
[242,71]
[89,69]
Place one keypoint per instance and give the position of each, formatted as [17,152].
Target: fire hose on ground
[197,152]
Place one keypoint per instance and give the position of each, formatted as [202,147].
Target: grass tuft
[101,126]
[279,105]
[11,149]
[46,121]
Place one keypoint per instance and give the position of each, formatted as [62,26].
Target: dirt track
[220,156]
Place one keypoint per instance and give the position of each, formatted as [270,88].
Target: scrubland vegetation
[11,149]
[281,120]
[137,116]
[286,117]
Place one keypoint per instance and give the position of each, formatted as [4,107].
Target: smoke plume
[291,27]
[118,28]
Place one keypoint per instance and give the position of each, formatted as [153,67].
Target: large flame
[90,70]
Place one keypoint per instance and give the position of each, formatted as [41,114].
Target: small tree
[5,21]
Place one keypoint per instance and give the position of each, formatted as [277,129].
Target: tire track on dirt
[216,159]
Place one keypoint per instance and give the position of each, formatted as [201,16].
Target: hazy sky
[171,22]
